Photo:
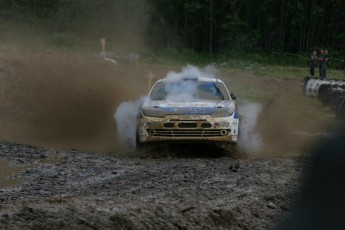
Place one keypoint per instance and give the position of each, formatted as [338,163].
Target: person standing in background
[324,64]
[321,57]
[313,63]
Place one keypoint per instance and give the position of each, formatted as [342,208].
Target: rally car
[188,110]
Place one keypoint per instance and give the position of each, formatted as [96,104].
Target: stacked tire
[330,92]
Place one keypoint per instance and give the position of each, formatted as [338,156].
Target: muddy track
[78,190]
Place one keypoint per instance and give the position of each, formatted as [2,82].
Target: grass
[252,93]
[267,65]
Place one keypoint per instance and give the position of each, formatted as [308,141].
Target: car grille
[187,133]
[187,125]
[206,125]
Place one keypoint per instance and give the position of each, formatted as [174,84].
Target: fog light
[151,132]
[223,132]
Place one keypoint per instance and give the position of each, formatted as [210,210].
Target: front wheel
[139,146]
[146,149]
[231,148]
[228,149]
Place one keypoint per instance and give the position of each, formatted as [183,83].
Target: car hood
[188,108]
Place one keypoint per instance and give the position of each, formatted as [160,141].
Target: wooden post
[150,76]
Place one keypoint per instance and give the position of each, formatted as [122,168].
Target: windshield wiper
[220,93]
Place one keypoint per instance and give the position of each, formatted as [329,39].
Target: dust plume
[185,90]
[62,101]
[69,101]
[249,141]
[191,71]
[126,119]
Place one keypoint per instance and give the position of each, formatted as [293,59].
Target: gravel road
[85,190]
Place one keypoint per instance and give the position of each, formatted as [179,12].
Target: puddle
[6,172]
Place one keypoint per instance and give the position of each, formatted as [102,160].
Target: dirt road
[63,102]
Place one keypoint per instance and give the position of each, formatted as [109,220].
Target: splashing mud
[126,119]
[68,101]
[250,140]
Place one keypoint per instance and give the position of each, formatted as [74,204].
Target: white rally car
[188,110]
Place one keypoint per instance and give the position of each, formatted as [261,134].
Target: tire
[230,149]
[137,142]
[139,146]
[146,149]
[233,148]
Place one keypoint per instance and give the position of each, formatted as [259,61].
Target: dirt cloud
[69,101]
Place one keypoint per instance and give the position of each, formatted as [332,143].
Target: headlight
[153,112]
[223,112]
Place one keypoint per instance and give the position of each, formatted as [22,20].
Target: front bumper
[188,128]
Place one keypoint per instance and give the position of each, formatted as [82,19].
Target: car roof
[206,79]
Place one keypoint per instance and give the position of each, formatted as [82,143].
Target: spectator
[321,58]
[313,62]
[324,64]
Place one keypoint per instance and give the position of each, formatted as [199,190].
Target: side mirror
[233,96]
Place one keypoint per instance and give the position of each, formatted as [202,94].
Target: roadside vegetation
[274,40]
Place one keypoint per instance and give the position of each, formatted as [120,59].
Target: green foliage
[214,26]
[191,30]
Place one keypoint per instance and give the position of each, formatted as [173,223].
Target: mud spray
[126,119]
[249,140]
[125,115]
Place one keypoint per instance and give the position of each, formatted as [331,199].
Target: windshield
[180,91]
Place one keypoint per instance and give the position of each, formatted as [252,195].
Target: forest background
[267,31]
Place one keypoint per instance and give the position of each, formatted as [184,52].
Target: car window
[189,90]
[158,92]
[208,91]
